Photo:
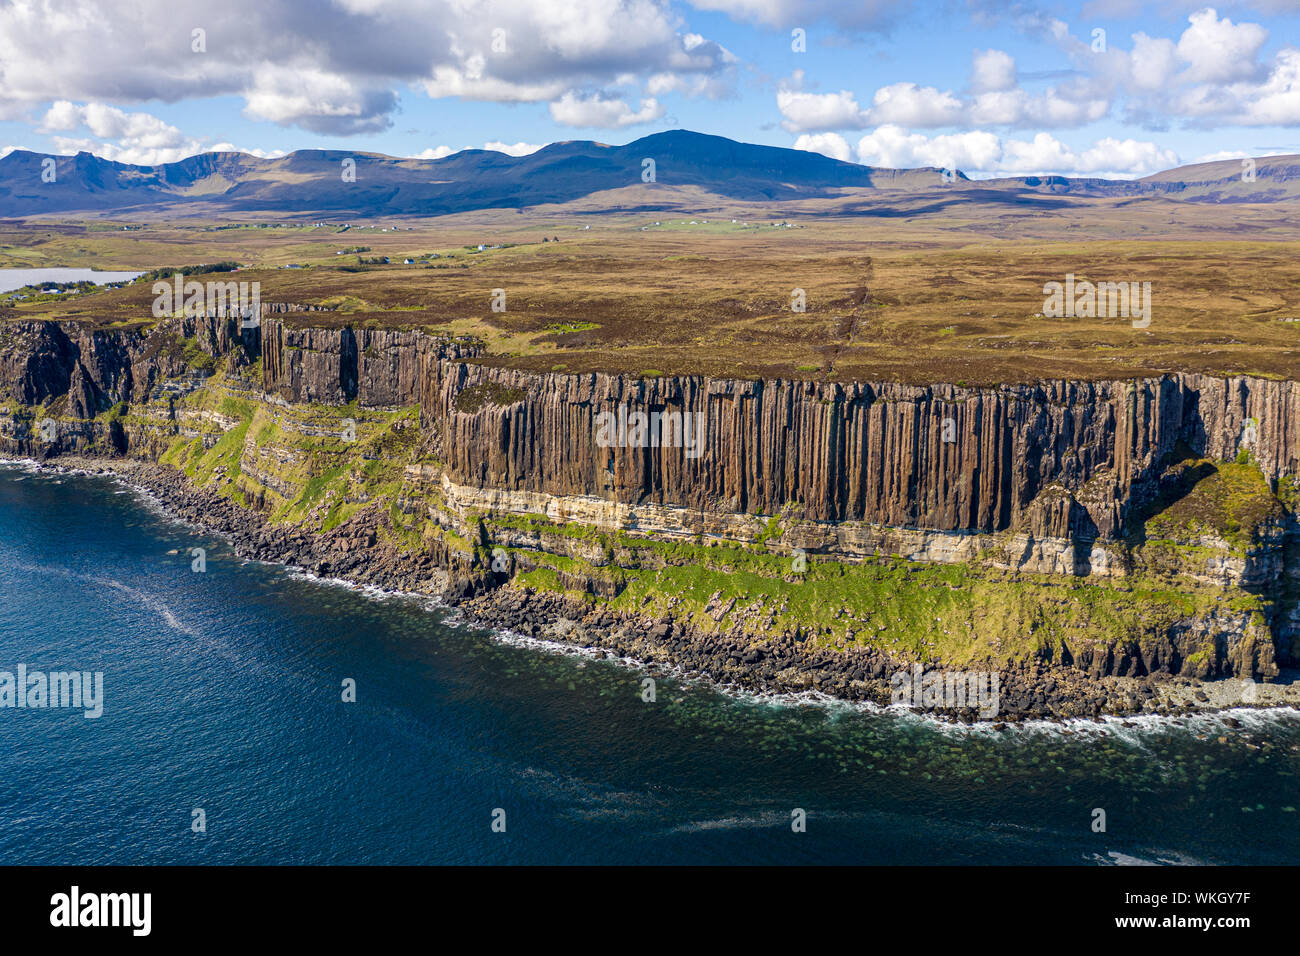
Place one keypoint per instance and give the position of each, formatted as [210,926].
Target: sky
[1114,88]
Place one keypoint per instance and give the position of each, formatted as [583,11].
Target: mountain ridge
[312,181]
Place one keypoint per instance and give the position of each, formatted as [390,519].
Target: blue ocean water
[11,279]
[223,691]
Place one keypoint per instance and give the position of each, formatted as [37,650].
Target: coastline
[356,555]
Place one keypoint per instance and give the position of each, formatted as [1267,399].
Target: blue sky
[992,88]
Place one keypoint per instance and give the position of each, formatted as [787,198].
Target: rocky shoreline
[783,664]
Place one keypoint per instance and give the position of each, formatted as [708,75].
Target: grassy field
[912,288]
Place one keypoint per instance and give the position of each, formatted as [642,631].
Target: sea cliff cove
[1102,548]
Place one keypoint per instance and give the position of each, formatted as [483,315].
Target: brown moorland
[931,297]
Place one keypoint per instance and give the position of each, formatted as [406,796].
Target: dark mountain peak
[688,137]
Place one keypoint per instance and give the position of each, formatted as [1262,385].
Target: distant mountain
[1270,179]
[312,182]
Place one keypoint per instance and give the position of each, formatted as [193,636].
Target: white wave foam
[372,591]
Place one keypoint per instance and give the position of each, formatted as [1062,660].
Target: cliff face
[45,361]
[374,367]
[942,458]
[1056,459]
[1056,477]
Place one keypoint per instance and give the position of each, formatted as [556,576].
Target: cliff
[943,458]
[1161,487]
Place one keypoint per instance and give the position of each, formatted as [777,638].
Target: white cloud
[62,115]
[926,107]
[1127,157]
[993,70]
[1153,62]
[1210,76]
[141,138]
[1076,103]
[548,48]
[1044,153]
[981,154]
[828,144]
[809,112]
[998,108]
[317,100]
[338,69]
[1053,109]
[1217,50]
[908,104]
[109,122]
[471,84]
[513,149]
[1276,102]
[434,152]
[895,147]
[597,111]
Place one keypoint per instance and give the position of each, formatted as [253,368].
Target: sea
[252,714]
